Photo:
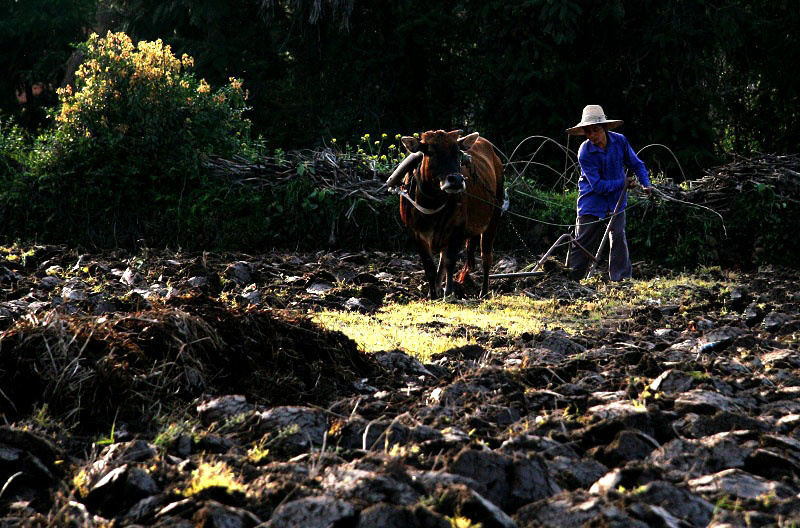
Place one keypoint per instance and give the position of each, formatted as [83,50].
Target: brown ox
[458,199]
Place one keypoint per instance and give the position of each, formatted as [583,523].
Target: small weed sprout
[258,453]
[43,419]
[81,483]
[169,435]
[571,413]
[398,451]
[767,500]
[260,450]
[110,439]
[725,503]
[107,440]
[231,423]
[462,522]
[213,475]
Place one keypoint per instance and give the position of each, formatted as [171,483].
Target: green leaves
[303,168]
[129,140]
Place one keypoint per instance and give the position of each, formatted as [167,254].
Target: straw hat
[593,115]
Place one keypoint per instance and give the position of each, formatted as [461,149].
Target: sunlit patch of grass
[675,289]
[388,330]
[213,475]
[423,328]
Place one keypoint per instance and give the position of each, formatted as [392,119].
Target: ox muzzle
[453,183]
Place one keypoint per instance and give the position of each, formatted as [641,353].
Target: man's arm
[632,183]
[632,161]
[591,171]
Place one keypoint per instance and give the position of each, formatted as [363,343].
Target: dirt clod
[194,390]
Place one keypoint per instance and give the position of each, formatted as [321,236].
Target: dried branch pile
[88,369]
[719,188]
[346,177]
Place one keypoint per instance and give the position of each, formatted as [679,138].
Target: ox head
[444,152]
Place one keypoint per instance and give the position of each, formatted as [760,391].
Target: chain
[514,228]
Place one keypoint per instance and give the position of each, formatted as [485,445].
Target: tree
[36,38]
[317,68]
[129,141]
[758,103]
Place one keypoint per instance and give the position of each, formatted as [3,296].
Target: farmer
[603,158]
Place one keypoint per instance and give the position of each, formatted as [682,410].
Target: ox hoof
[450,298]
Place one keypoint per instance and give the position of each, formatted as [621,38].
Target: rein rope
[656,191]
[466,161]
[532,219]
[417,206]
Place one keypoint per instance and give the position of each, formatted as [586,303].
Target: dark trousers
[588,233]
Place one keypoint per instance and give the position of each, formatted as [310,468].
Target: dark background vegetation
[708,79]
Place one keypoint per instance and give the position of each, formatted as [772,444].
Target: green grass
[423,328]
[213,475]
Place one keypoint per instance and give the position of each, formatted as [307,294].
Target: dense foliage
[697,76]
[120,162]
[124,158]
[36,43]
[700,77]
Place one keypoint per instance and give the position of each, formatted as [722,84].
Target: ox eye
[466,159]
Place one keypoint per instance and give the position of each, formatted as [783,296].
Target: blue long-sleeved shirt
[603,174]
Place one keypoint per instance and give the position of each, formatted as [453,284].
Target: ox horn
[411,143]
[466,142]
[407,165]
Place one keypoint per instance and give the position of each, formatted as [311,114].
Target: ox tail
[469,262]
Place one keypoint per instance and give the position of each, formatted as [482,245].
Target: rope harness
[418,207]
[412,165]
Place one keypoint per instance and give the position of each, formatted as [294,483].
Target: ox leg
[453,249]
[487,245]
[441,268]
[487,255]
[469,263]
[431,273]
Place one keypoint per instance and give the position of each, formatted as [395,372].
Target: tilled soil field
[166,389]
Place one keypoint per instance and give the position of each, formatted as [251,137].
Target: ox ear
[466,142]
[412,144]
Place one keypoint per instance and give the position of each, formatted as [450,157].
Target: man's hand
[632,183]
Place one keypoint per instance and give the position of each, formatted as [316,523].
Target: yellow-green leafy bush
[129,139]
